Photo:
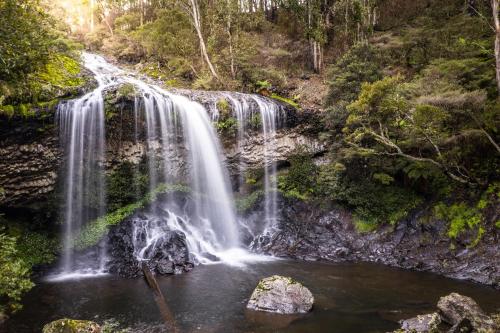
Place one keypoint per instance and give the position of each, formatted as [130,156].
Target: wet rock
[462,312]
[427,323]
[167,255]
[308,232]
[281,295]
[71,326]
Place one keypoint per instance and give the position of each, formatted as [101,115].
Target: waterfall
[271,118]
[213,227]
[174,126]
[82,134]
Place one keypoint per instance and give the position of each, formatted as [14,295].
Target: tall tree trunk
[195,13]
[230,38]
[142,11]
[496,20]
[92,24]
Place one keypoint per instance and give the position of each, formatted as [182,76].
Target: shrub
[14,275]
[461,218]
[300,180]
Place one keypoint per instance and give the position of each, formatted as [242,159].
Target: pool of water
[357,298]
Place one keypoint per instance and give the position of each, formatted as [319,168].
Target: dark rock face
[29,160]
[169,255]
[308,233]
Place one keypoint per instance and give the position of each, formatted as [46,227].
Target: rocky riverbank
[310,233]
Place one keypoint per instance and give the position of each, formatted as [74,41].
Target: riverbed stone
[427,323]
[281,294]
[71,326]
[461,311]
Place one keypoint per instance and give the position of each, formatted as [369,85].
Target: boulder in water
[427,323]
[462,311]
[168,254]
[281,294]
[71,326]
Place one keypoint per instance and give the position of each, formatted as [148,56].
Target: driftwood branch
[165,312]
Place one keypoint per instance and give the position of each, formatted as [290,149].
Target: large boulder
[71,326]
[427,323]
[167,255]
[281,294]
[464,315]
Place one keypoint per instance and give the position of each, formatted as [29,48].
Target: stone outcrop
[311,233]
[428,323]
[29,161]
[71,326]
[281,294]
[461,311]
[456,314]
[169,255]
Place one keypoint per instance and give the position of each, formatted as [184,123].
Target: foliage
[25,38]
[37,248]
[300,179]
[228,126]
[14,275]
[461,218]
[244,204]
[125,185]
[374,203]
[346,76]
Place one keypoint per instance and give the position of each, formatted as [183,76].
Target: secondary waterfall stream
[213,231]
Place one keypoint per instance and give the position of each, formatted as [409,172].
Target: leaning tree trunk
[195,13]
[496,20]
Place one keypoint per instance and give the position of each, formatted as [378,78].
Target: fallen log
[165,312]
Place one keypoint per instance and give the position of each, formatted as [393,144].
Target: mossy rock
[280,294]
[71,326]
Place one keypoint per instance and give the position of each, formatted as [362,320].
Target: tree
[385,121]
[193,9]
[25,38]
[496,21]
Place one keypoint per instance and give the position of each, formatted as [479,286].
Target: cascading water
[271,117]
[212,229]
[81,123]
[171,122]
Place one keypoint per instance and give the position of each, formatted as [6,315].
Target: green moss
[126,91]
[285,100]
[7,110]
[224,107]
[365,226]
[71,326]
[125,184]
[61,71]
[94,231]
